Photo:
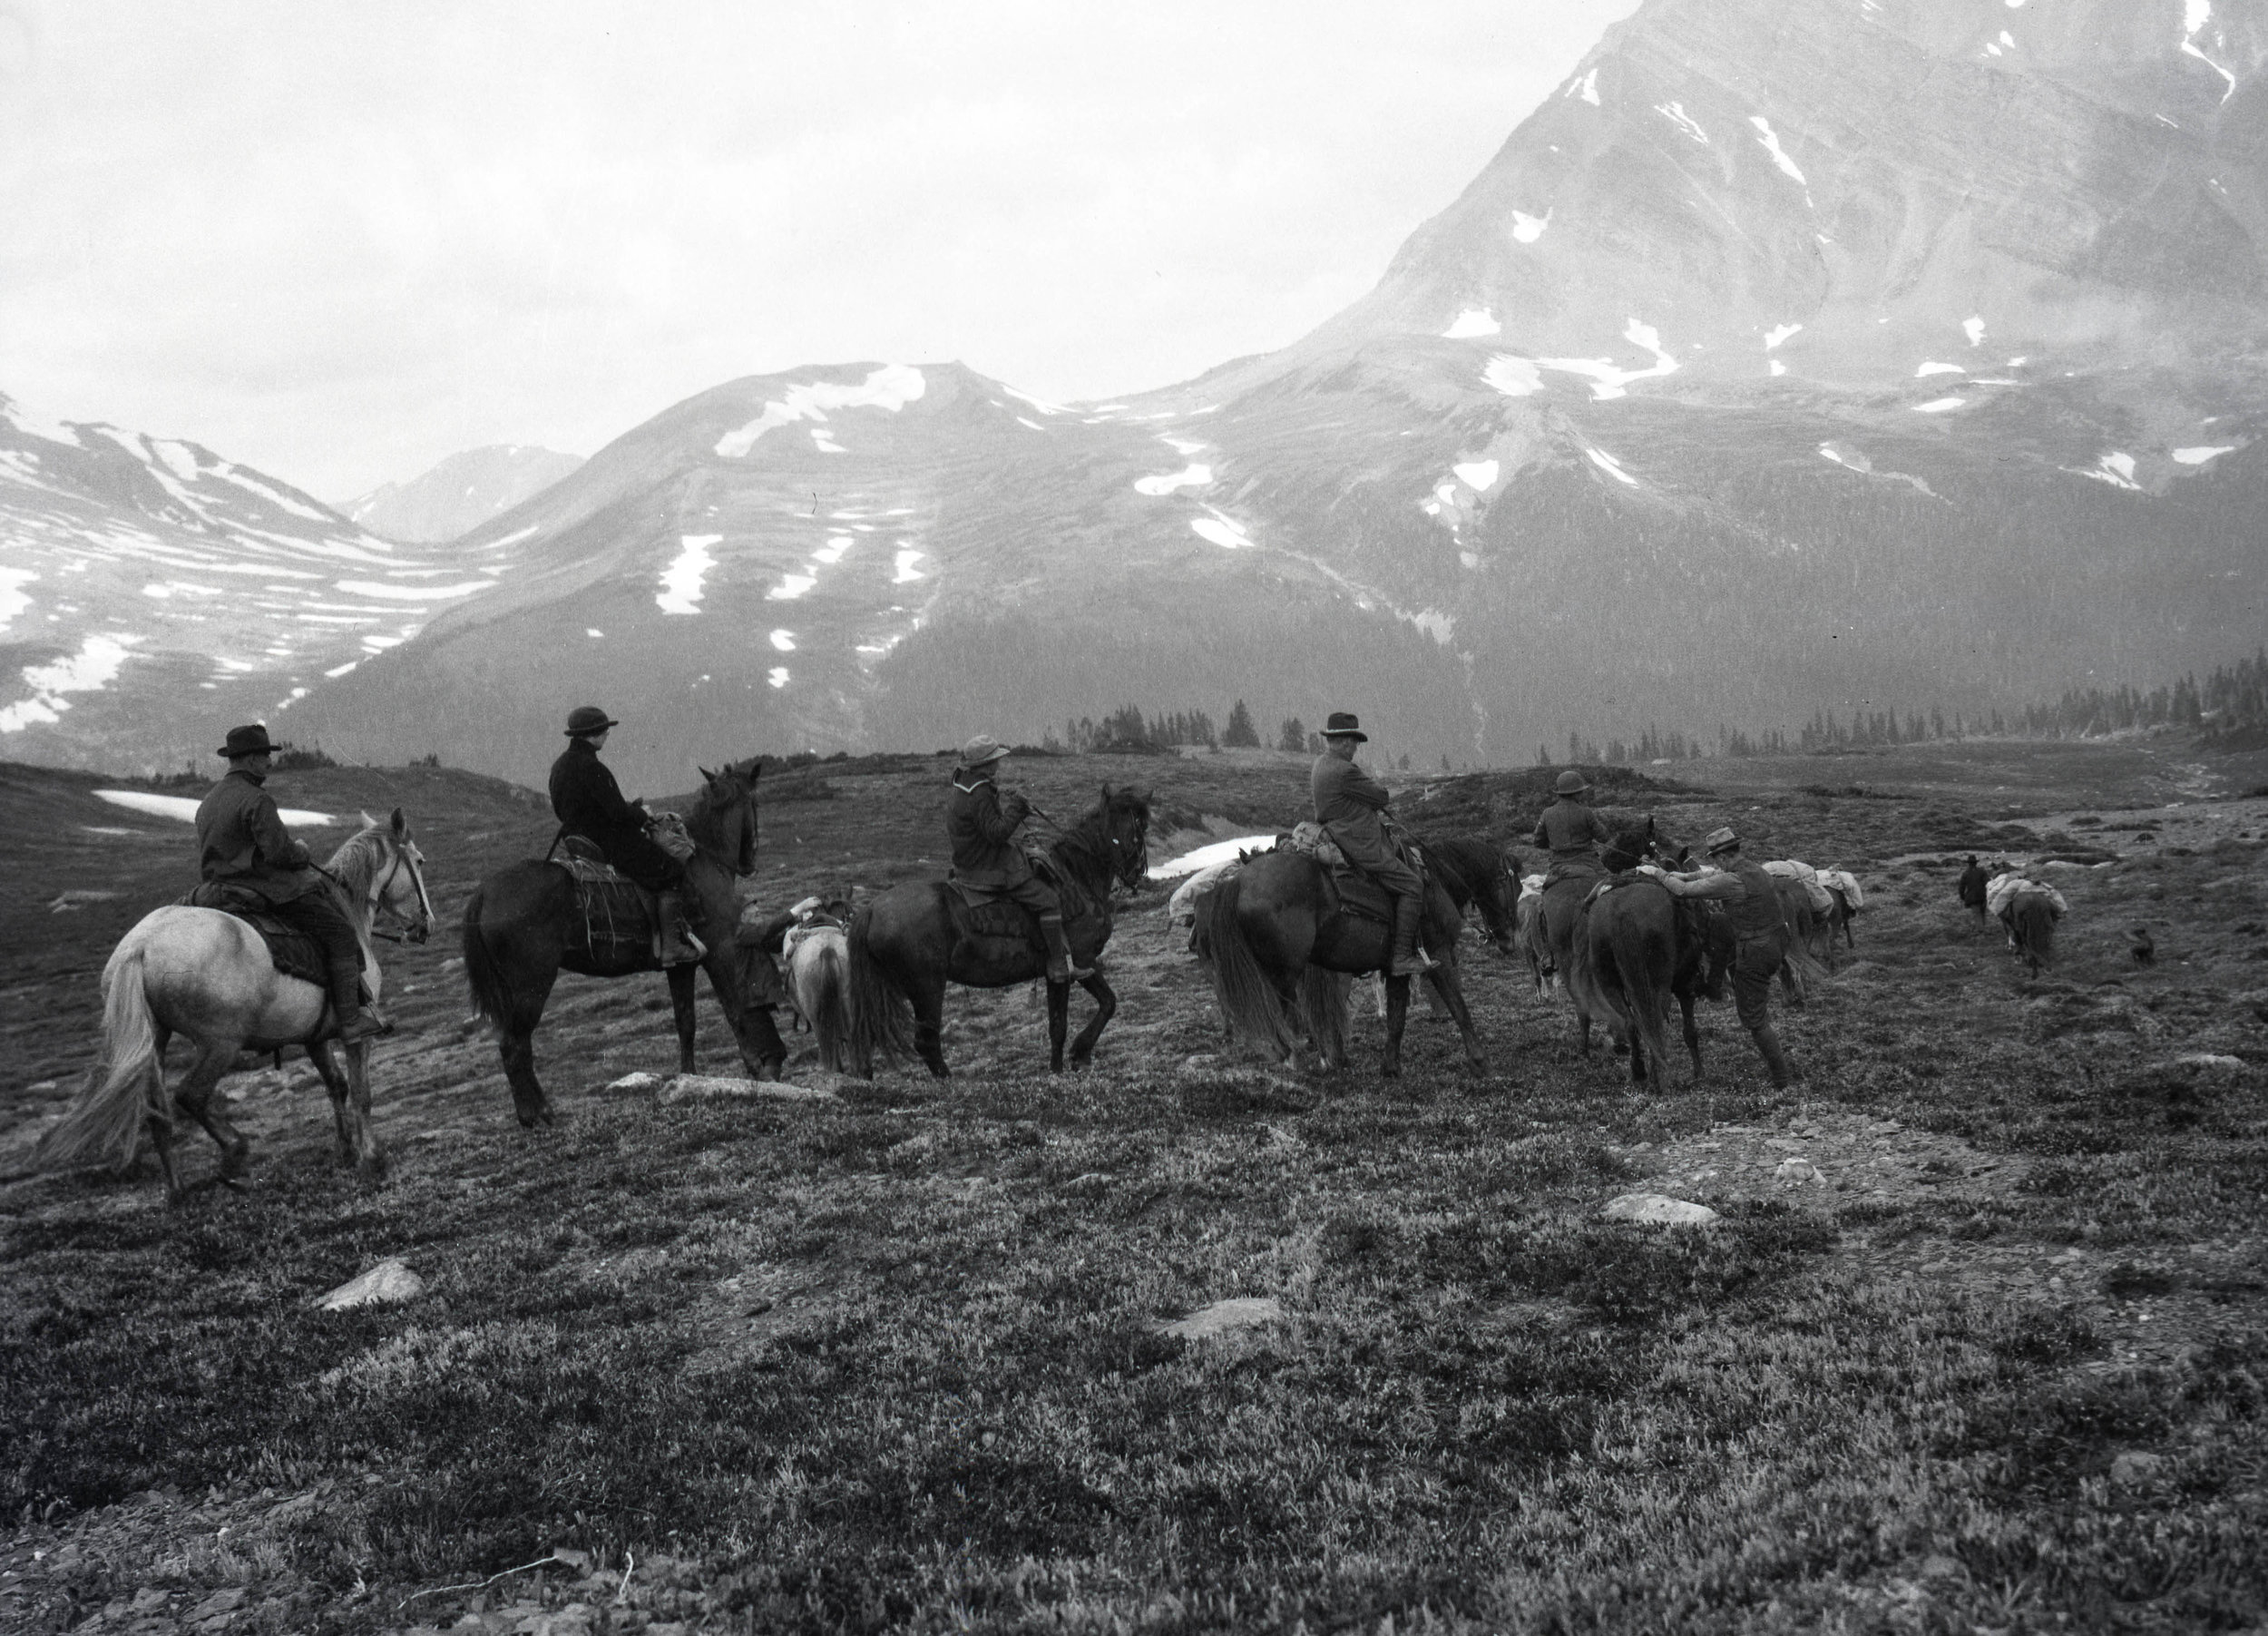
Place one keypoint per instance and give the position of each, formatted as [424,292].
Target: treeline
[1126,728]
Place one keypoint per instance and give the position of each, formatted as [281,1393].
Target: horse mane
[1471,859]
[704,819]
[355,863]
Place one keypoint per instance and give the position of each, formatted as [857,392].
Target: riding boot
[1776,1059]
[1407,959]
[355,1020]
[678,946]
[1059,967]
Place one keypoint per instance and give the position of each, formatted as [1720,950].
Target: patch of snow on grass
[338,670]
[1039,404]
[1607,464]
[424,593]
[1587,88]
[785,640]
[824,443]
[1206,856]
[1846,457]
[2192,456]
[13,601]
[1936,369]
[892,388]
[832,552]
[1192,476]
[1773,337]
[1479,474]
[1770,140]
[1777,368]
[593,630]
[777,676]
[907,574]
[1473,322]
[1938,406]
[1513,376]
[1674,113]
[790,587]
[1608,381]
[1034,424]
[1974,328]
[1221,532]
[182,808]
[680,590]
[1527,229]
[88,670]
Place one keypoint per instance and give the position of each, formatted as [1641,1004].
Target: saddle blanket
[292,952]
[1181,907]
[1846,882]
[611,913]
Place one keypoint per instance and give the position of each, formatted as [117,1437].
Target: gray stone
[1223,1318]
[2136,1468]
[1658,1209]
[1796,1172]
[686,1087]
[389,1280]
[636,1082]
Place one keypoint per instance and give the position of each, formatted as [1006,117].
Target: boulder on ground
[389,1280]
[687,1087]
[1223,1318]
[1658,1209]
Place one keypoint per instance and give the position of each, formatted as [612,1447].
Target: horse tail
[1647,966]
[492,999]
[126,1085]
[2036,930]
[1250,1002]
[879,1016]
[827,1009]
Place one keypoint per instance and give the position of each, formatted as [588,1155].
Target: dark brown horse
[907,942]
[1636,949]
[516,943]
[1278,939]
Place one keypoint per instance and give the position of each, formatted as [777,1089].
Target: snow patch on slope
[680,590]
[892,388]
[88,670]
[1513,376]
[1478,474]
[2189,456]
[1609,381]
[1191,476]
[1472,323]
[1527,229]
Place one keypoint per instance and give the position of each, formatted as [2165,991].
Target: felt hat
[1569,782]
[1343,725]
[247,741]
[981,750]
[1720,840]
[588,718]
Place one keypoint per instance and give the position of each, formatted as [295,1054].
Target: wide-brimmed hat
[247,741]
[1343,725]
[1719,841]
[1569,782]
[588,718]
[980,750]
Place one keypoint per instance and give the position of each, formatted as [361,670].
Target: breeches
[1754,964]
[317,914]
[1395,875]
[641,861]
[1035,894]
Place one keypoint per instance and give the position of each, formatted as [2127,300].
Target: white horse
[207,975]
[818,977]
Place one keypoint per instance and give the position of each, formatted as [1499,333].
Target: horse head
[723,820]
[1125,826]
[397,886]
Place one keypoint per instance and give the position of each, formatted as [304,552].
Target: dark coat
[1972,887]
[1571,830]
[981,825]
[242,841]
[1352,806]
[590,803]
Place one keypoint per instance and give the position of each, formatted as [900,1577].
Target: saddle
[612,912]
[292,952]
[988,912]
[1351,891]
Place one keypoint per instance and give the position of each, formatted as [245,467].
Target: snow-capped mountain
[460,493]
[149,588]
[1797,355]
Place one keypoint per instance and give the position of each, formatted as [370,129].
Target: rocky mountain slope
[460,493]
[1885,353]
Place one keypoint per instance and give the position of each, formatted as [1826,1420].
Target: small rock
[2133,1468]
[148,1600]
[1940,1567]
[1658,1209]
[684,1087]
[1796,1172]
[217,1603]
[579,1560]
[2207,1059]
[1223,1316]
[389,1280]
[635,1081]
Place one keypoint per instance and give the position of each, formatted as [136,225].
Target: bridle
[413,931]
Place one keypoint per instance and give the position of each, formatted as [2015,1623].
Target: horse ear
[706,777]
[401,824]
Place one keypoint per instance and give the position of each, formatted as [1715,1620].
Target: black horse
[1634,947]
[1278,938]
[907,942]
[517,942]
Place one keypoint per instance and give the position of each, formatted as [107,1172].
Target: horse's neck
[1080,855]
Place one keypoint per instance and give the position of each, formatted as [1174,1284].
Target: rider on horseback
[1352,806]
[981,825]
[1569,830]
[242,843]
[1752,906]
[590,804]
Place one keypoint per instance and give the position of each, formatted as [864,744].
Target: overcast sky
[341,241]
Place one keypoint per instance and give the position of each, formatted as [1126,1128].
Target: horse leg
[1693,1035]
[680,980]
[1059,1024]
[193,1096]
[334,1081]
[754,1028]
[369,1156]
[1397,1014]
[928,997]
[1105,1007]
[1452,995]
